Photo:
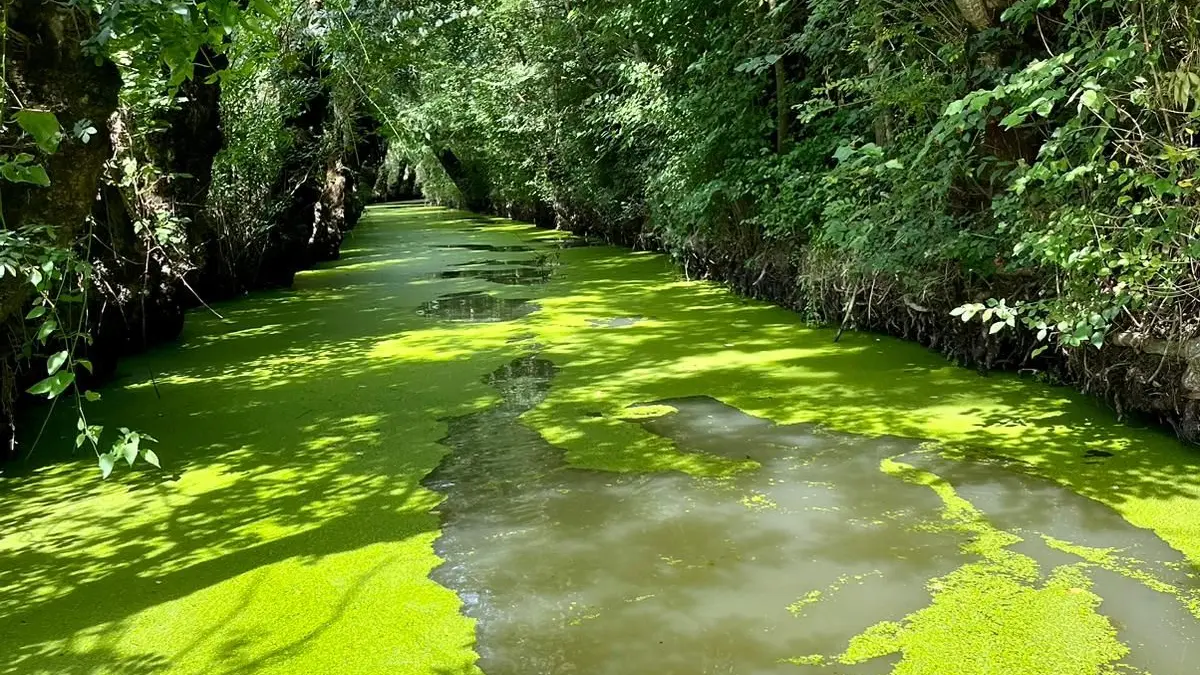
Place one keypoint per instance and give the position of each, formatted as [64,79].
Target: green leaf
[54,385]
[79,440]
[106,465]
[129,449]
[56,361]
[996,328]
[92,396]
[87,365]
[47,328]
[62,380]
[1011,120]
[36,312]
[264,7]
[150,457]
[42,387]
[36,174]
[19,172]
[42,126]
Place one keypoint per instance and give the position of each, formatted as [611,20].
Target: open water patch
[772,570]
[476,307]
[512,275]
[541,259]
[495,248]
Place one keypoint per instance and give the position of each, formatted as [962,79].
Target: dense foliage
[1051,140]
[161,156]
[1030,164]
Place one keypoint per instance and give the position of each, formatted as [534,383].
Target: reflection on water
[573,571]
[476,307]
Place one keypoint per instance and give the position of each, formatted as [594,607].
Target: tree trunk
[331,220]
[783,109]
[976,12]
[46,69]
[470,179]
[301,181]
[142,287]
[185,151]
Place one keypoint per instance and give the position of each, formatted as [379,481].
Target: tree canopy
[1030,164]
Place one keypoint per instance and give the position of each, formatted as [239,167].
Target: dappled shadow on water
[695,339]
[290,527]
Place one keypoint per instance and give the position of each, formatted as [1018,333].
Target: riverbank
[1137,375]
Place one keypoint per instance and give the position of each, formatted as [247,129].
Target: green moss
[986,620]
[645,412]
[810,660]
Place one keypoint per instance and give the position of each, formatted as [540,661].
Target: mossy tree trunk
[47,69]
[141,280]
[301,181]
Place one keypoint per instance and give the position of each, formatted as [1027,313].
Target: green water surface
[645,474]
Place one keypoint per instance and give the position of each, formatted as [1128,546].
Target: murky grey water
[573,571]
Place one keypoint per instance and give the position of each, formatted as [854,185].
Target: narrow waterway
[474,446]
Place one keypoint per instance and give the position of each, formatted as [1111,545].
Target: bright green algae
[699,339]
[992,615]
[297,537]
